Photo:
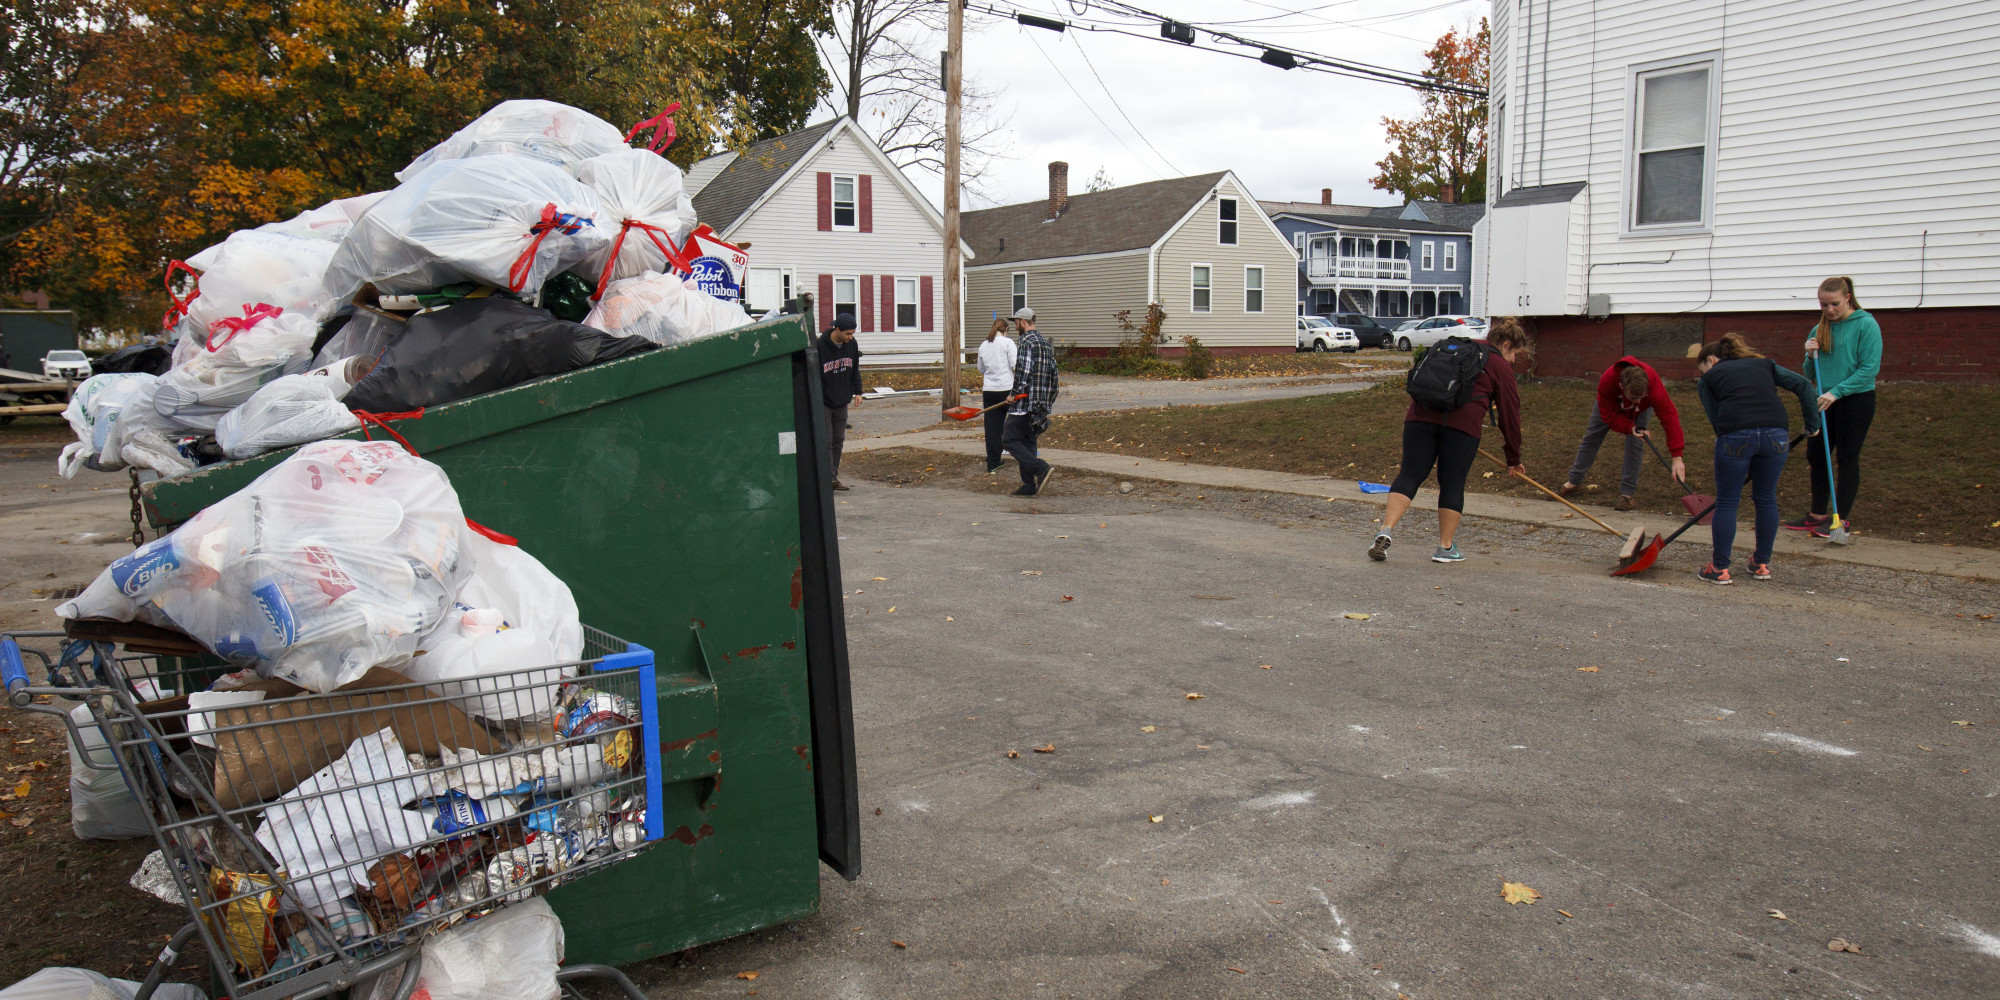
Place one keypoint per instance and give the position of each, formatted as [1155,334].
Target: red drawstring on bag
[664,132]
[252,315]
[676,256]
[550,221]
[382,420]
[179,306]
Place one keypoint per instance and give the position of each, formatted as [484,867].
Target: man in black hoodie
[840,384]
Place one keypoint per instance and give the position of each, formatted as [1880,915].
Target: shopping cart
[318,840]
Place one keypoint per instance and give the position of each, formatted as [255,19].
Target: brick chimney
[1447,194]
[1058,188]
[1326,196]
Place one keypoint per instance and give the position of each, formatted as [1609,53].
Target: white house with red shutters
[821,210]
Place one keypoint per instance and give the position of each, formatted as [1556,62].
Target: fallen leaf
[22,820]
[1770,713]
[1961,722]
[891,611]
[1275,902]
[1236,970]
[879,579]
[1203,746]
[1568,914]
[1051,748]
[1066,597]
[747,974]
[1195,696]
[1155,819]
[1842,944]
[21,790]
[878,810]
[1925,749]
[1488,475]
[1357,616]
[1777,915]
[22,743]
[1012,754]
[1031,572]
[972,718]
[1586,670]
[1100,525]
[1984,618]
[1515,892]
[949,618]
[1166,881]
[1569,515]
[1146,729]
[899,944]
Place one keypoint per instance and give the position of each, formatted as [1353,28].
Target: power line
[1082,100]
[1121,110]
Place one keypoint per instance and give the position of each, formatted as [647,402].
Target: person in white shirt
[996,364]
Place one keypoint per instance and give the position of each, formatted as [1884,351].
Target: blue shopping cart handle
[13,672]
[1372,487]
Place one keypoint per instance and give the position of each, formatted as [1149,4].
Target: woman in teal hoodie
[1845,353]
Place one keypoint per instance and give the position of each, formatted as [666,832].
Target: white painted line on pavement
[1810,744]
[1982,942]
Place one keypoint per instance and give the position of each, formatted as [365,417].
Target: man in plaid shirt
[1035,375]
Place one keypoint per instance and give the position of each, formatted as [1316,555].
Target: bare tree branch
[889,78]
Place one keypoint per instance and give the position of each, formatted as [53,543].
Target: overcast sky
[1286,133]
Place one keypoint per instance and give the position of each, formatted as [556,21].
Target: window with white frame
[1299,243]
[1430,255]
[1020,290]
[906,303]
[1253,289]
[846,296]
[1450,256]
[844,212]
[1672,145]
[1226,235]
[1204,284]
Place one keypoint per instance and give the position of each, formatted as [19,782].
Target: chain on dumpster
[138,528]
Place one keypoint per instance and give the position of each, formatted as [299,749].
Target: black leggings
[1846,422]
[1427,444]
[996,424]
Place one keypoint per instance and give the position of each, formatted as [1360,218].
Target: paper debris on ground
[1842,944]
[1357,616]
[155,879]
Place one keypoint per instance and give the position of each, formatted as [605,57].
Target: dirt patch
[1930,469]
[37,430]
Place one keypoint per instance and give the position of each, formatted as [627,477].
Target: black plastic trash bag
[480,346]
[150,359]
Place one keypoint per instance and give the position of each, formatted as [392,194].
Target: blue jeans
[1757,455]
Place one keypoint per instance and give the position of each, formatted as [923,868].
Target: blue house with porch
[1391,262]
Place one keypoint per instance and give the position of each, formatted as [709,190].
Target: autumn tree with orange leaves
[1441,153]
[171,123]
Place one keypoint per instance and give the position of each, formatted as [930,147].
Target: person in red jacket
[1628,394]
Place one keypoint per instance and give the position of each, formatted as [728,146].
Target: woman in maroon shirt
[1450,440]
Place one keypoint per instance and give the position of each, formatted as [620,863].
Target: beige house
[1199,246]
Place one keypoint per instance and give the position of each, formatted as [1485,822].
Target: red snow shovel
[1638,555]
[967,412]
[1700,506]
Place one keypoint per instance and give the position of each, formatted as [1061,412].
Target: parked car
[1319,334]
[1366,330]
[1424,333]
[66,364]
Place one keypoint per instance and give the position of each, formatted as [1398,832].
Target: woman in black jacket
[1739,389]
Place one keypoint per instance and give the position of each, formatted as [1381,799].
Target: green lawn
[1931,471]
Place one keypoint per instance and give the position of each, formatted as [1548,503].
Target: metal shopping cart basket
[319,839]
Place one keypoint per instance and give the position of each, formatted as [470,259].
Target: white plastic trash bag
[511,617]
[646,207]
[93,412]
[664,309]
[325,833]
[511,954]
[338,559]
[66,983]
[292,410]
[542,130]
[239,356]
[366,334]
[501,220]
[101,805]
[249,268]
[329,222]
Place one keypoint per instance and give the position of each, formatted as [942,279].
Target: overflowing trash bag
[68,983]
[643,197]
[338,559]
[664,309]
[101,806]
[151,359]
[329,222]
[479,346]
[541,130]
[514,953]
[502,220]
[249,269]
[512,615]
[240,355]
[117,424]
[292,410]
[364,334]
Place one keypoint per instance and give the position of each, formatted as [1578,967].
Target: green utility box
[684,496]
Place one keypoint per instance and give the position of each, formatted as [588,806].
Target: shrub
[1199,360]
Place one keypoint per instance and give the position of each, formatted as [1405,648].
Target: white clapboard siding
[1855,138]
[784,232]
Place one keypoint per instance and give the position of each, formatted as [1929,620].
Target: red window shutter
[867,317]
[825,304]
[888,303]
[826,209]
[924,306]
[866,198]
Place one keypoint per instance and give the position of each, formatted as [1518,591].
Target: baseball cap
[844,321]
[1025,313]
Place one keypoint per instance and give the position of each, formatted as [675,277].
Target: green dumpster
[683,495]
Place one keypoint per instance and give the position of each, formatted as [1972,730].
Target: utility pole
[954,290]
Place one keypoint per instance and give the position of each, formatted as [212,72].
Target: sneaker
[838,485]
[1625,502]
[1760,571]
[1808,522]
[1448,554]
[1568,490]
[1720,577]
[1043,480]
[992,469]
[1025,491]
[1380,550]
[1824,529]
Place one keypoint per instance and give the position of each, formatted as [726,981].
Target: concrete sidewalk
[1957,561]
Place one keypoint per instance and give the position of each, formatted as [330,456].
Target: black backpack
[1442,379]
